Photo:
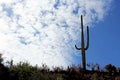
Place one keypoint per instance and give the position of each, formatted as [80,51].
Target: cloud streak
[45,31]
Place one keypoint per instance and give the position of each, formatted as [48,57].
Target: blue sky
[105,39]
[46,31]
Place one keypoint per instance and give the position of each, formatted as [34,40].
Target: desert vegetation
[25,71]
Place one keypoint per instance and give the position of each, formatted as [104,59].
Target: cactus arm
[78,48]
[87,46]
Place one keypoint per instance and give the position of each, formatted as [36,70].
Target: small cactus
[83,48]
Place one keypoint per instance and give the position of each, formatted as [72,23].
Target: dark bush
[24,71]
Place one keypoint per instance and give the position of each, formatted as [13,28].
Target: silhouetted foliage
[111,69]
[94,67]
[4,71]
[25,71]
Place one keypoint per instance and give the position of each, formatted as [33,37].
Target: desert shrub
[117,78]
[4,71]
[95,76]
[111,69]
[94,67]
[24,71]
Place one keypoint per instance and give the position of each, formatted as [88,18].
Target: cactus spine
[83,47]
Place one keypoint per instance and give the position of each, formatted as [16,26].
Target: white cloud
[45,31]
[6,1]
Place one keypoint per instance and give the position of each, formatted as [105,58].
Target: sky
[46,31]
[104,47]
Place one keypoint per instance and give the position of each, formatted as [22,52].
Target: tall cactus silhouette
[83,47]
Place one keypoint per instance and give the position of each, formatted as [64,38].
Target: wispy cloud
[45,31]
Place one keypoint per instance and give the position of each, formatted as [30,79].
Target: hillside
[24,71]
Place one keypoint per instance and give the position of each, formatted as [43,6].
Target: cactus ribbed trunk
[83,60]
[83,48]
[82,45]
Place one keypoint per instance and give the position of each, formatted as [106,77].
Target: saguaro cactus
[83,47]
